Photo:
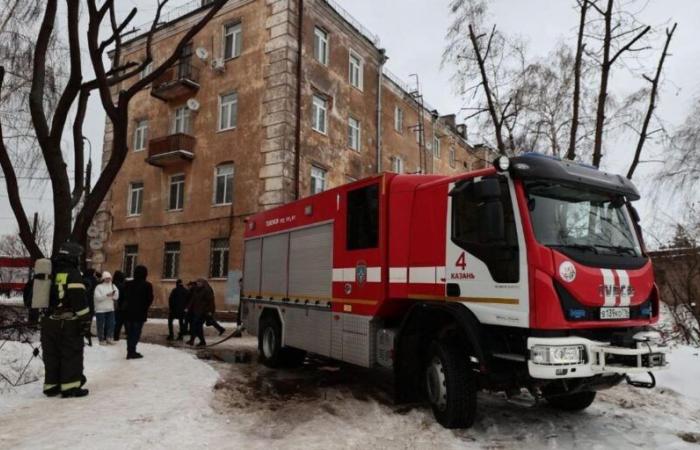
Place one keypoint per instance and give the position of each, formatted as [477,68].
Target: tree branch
[580,48]
[78,147]
[643,134]
[25,231]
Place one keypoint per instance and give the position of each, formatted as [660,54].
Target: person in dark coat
[118,280]
[202,306]
[90,282]
[176,309]
[138,297]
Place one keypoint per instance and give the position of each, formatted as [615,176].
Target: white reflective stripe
[75,286]
[338,275]
[421,274]
[82,312]
[439,274]
[398,274]
[624,287]
[349,274]
[374,274]
[608,287]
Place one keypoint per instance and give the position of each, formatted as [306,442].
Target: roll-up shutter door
[274,264]
[311,262]
[251,267]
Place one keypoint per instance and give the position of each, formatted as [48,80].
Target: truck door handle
[453,290]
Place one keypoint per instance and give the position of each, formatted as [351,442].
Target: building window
[219,258]
[397,164]
[233,40]
[140,135]
[436,146]
[319,111]
[398,119]
[356,66]
[176,201]
[146,71]
[321,46]
[171,260]
[228,111]
[354,133]
[223,185]
[131,254]
[135,198]
[181,122]
[318,180]
[453,157]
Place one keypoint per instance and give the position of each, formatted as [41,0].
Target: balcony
[172,149]
[178,82]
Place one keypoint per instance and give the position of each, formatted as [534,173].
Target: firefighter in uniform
[63,327]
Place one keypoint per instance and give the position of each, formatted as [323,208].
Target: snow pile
[11,301]
[160,401]
[18,365]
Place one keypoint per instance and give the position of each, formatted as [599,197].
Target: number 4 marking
[462,261]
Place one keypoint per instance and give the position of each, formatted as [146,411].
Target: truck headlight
[557,354]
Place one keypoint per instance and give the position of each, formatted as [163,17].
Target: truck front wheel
[450,385]
[572,402]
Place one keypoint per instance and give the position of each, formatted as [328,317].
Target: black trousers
[211,322]
[62,348]
[197,329]
[133,336]
[118,324]
[180,320]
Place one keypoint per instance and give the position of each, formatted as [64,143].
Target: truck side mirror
[491,222]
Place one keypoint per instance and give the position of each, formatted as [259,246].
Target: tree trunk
[603,93]
[571,152]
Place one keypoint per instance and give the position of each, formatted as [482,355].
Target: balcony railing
[171,149]
[181,80]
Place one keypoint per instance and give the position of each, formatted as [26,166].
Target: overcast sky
[413,31]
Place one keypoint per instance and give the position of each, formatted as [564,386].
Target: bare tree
[12,245]
[49,126]
[681,171]
[548,104]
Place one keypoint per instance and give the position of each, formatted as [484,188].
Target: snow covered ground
[173,399]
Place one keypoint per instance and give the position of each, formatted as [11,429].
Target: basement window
[219,258]
[171,260]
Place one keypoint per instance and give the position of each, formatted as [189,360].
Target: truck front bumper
[576,357]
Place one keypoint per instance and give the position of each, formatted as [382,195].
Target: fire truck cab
[528,274]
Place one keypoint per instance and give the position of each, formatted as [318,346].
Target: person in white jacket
[105,295]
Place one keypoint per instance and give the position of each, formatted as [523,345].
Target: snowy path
[170,399]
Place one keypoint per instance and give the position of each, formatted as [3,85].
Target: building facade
[271,101]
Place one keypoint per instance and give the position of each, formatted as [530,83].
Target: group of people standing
[193,306]
[119,303]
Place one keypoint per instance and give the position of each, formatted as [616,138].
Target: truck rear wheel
[572,402]
[270,349]
[450,386]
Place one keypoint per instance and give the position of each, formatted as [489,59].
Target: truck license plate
[614,313]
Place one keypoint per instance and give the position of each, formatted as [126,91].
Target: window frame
[227,190]
[351,130]
[398,160]
[232,106]
[436,146]
[186,120]
[398,119]
[129,205]
[142,132]
[181,192]
[146,71]
[313,179]
[223,261]
[315,113]
[127,255]
[453,157]
[321,36]
[236,39]
[359,83]
[176,260]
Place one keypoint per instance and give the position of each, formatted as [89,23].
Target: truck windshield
[564,216]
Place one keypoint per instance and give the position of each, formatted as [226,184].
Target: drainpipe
[297,144]
[380,82]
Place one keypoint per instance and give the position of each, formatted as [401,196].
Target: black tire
[270,349]
[572,402]
[454,405]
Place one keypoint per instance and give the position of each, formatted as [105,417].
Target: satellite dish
[202,53]
[193,104]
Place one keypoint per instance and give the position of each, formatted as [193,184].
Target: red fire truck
[528,274]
